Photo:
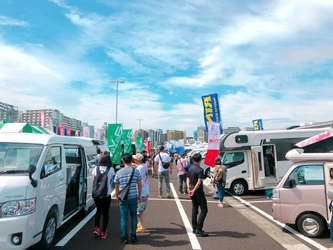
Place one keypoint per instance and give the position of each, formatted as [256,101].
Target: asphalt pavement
[243,223]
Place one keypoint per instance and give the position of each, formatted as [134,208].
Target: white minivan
[44,181]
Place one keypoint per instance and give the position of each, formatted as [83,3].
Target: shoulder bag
[122,195]
[164,164]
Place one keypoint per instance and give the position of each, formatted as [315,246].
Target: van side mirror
[32,169]
[292,183]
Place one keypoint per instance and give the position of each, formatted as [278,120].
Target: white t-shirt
[111,173]
[165,158]
[143,169]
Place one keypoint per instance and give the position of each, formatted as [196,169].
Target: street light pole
[117,82]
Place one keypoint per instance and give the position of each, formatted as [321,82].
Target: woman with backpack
[219,178]
[102,193]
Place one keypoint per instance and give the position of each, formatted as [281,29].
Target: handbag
[164,164]
[122,195]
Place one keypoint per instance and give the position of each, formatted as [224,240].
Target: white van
[44,181]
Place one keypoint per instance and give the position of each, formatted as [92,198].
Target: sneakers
[96,231]
[104,235]
[133,239]
[220,204]
[124,240]
[160,196]
[140,230]
[168,195]
[201,233]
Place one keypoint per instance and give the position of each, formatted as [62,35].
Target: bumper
[20,225]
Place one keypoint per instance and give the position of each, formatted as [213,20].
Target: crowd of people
[134,173]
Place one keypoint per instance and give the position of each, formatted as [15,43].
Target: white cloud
[12,22]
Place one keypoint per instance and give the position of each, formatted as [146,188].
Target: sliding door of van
[328,171]
[257,164]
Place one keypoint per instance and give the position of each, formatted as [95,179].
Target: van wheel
[311,225]
[207,173]
[49,230]
[238,188]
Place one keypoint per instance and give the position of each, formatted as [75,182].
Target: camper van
[44,181]
[303,196]
[256,159]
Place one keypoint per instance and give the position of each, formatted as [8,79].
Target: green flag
[115,132]
[127,140]
[139,143]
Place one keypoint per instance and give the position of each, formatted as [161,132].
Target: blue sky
[265,59]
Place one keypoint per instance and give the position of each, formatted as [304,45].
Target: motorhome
[44,181]
[303,195]
[256,159]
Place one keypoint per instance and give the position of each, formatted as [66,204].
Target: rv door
[257,163]
[328,172]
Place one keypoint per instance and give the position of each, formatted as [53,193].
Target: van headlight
[18,208]
[276,193]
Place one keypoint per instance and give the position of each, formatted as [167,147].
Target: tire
[238,188]
[207,172]
[49,230]
[311,225]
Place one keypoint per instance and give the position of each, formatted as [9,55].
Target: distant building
[231,130]
[53,118]
[140,132]
[195,135]
[202,134]
[175,135]
[8,112]
[162,139]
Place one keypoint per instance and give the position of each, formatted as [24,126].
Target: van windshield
[15,158]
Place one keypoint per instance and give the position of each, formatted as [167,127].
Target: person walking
[163,172]
[175,157]
[195,191]
[152,162]
[122,178]
[103,204]
[142,205]
[221,182]
[181,172]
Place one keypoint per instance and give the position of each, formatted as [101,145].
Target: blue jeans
[181,180]
[164,174]
[131,206]
[220,191]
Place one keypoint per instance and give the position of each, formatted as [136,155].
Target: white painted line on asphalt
[252,202]
[298,234]
[193,238]
[78,227]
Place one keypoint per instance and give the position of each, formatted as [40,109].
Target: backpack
[100,184]
[217,175]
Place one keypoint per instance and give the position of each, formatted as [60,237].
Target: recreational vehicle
[256,159]
[305,192]
[44,181]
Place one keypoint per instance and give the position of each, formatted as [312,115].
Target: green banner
[127,140]
[115,132]
[139,144]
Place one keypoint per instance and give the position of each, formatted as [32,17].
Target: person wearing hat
[142,204]
[164,166]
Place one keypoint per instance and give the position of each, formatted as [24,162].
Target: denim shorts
[142,205]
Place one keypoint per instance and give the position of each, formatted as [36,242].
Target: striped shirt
[122,177]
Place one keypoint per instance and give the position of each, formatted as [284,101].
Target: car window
[307,175]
